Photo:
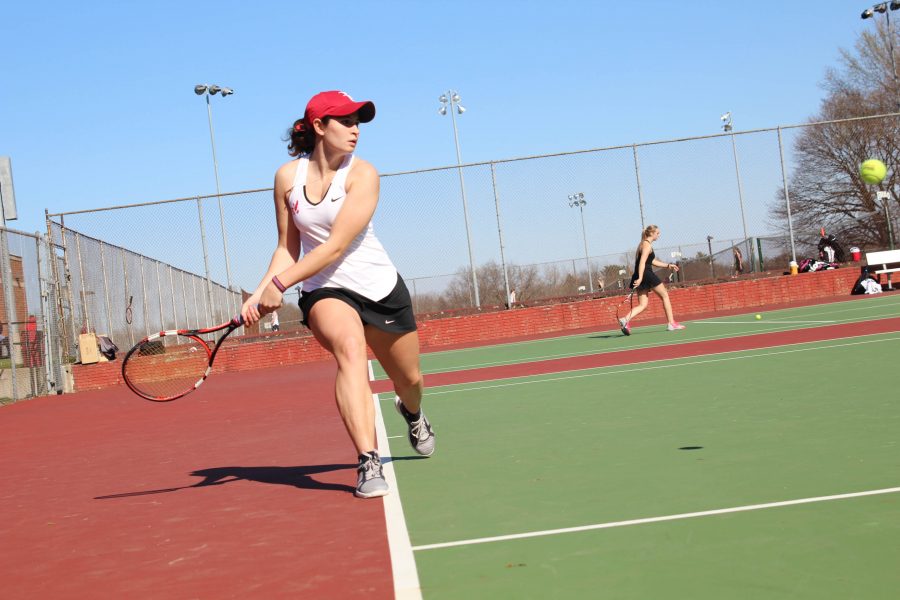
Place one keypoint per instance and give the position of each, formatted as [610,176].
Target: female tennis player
[352,294]
[643,280]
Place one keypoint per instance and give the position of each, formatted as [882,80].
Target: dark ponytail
[302,138]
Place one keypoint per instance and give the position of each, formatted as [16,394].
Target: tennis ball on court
[758,317]
[872,171]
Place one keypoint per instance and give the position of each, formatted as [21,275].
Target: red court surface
[241,490]
[667,352]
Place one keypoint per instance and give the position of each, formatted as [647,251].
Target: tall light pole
[451,98]
[211,90]
[882,7]
[728,127]
[577,199]
[885,198]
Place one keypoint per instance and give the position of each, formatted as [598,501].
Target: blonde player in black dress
[643,280]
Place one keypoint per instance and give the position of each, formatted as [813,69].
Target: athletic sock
[411,417]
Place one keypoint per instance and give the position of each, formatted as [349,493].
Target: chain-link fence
[124,295]
[465,236]
[30,357]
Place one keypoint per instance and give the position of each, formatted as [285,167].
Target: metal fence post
[787,197]
[209,298]
[172,290]
[10,300]
[52,362]
[637,175]
[128,298]
[57,288]
[184,303]
[109,328]
[737,171]
[162,323]
[145,312]
[500,233]
[70,324]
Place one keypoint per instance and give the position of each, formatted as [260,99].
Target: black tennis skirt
[393,313]
[650,280]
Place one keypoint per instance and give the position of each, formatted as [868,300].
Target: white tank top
[365,267]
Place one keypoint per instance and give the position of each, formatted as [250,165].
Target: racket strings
[167,367]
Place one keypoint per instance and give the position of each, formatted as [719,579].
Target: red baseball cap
[335,103]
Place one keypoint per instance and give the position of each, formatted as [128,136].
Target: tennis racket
[169,364]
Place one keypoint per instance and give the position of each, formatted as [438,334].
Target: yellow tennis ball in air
[758,317]
[872,171]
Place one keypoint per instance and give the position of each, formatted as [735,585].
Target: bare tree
[826,191]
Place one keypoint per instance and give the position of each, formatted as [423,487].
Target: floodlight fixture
[577,199]
[726,122]
[882,8]
[200,89]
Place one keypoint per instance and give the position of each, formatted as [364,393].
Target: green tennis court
[645,336]
[764,473]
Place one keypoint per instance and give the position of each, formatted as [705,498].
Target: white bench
[885,261]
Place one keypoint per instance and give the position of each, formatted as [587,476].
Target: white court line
[703,513]
[855,308]
[772,326]
[403,563]
[597,372]
[776,321]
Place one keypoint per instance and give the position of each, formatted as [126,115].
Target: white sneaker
[370,482]
[420,435]
[674,326]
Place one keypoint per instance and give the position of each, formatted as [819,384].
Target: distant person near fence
[738,261]
[352,294]
[643,280]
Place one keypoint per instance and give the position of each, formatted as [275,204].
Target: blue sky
[97,107]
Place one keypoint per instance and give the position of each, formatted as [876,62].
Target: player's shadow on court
[606,336]
[299,477]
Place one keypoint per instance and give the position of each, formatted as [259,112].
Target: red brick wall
[19,297]
[743,294]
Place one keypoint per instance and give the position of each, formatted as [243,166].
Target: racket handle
[238,321]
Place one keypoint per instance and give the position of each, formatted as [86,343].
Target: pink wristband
[278,284]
